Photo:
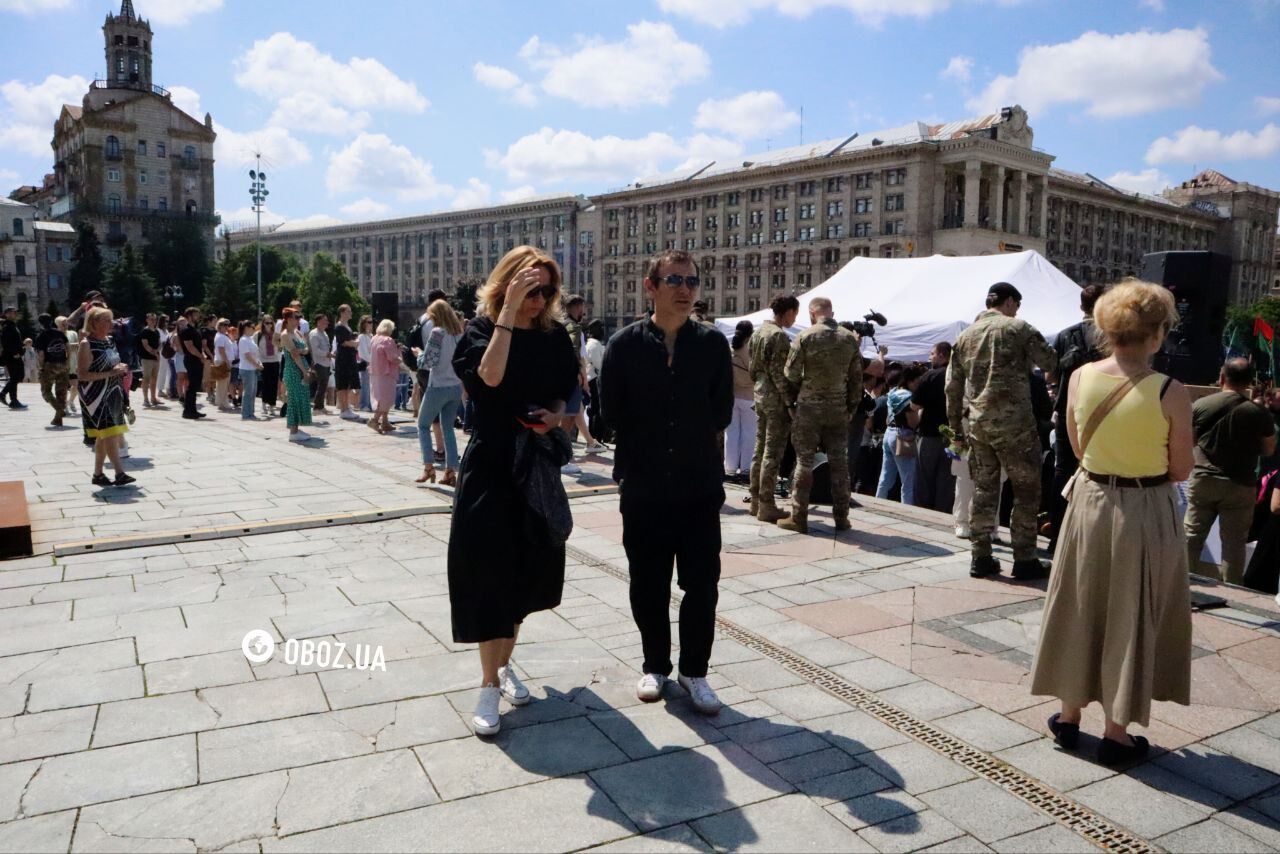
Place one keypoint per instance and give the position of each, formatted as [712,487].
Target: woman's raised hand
[520,286]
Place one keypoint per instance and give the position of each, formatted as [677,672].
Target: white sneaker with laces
[299,437]
[650,688]
[570,468]
[963,532]
[704,698]
[486,720]
[512,688]
[596,448]
[348,415]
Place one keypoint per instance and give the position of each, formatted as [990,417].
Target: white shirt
[318,341]
[249,354]
[223,353]
[595,357]
[303,326]
[365,350]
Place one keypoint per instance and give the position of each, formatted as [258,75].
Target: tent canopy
[927,300]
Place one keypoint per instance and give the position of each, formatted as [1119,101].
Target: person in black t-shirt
[149,355]
[194,358]
[935,484]
[11,356]
[51,360]
[346,371]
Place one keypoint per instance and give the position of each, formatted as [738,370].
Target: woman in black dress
[518,367]
[102,398]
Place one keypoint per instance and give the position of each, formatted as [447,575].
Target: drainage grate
[1062,809]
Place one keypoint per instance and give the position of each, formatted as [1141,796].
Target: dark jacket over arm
[667,417]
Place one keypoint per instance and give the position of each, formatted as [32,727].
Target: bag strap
[1104,409]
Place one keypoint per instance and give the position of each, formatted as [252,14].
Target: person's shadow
[644,787]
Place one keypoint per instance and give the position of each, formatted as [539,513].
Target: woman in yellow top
[1117,623]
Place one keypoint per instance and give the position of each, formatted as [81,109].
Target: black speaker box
[1200,283]
[386,304]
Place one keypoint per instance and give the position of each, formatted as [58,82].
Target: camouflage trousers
[1020,457]
[54,380]
[826,425]
[773,428]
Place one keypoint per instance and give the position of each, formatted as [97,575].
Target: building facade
[18,256]
[784,221]
[127,160]
[55,242]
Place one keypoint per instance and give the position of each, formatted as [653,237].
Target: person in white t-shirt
[223,356]
[321,362]
[250,365]
[364,352]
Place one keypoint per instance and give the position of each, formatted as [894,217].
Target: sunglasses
[546,291]
[676,281]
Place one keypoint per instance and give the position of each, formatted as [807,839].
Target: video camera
[865,328]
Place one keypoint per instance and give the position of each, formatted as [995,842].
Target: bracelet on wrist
[500,326]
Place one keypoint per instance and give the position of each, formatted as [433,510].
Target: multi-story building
[127,160]
[18,279]
[413,255]
[786,220]
[55,243]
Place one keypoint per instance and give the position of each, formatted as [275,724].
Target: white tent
[933,299]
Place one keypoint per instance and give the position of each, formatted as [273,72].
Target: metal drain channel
[1062,809]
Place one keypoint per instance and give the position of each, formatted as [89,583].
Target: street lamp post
[258,192]
[173,293]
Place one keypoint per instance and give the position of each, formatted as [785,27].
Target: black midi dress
[500,571]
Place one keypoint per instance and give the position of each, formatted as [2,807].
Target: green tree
[463,298]
[52,308]
[226,293]
[326,286]
[177,253]
[131,292]
[87,272]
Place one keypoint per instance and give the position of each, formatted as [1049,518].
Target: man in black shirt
[149,354]
[935,484]
[667,387]
[193,357]
[51,357]
[11,357]
[346,374]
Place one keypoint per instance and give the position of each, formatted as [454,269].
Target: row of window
[114,176]
[114,151]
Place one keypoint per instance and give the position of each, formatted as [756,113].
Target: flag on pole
[1265,335]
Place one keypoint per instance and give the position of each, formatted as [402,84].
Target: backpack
[1076,351]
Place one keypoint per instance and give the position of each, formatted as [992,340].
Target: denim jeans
[249,381]
[366,403]
[443,401]
[896,467]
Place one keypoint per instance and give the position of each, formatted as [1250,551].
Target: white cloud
[1114,75]
[29,110]
[1197,145]
[188,100]
[476,194]
[315,91]
[549,156]
[1267,106]
[524,191]
[247,218]
[372,162]
[505,80]
[1150,181]
[701,149]
[645,68]
[311,112]
[960,68]
[279,149]
[749,115]
[366,208]
[176,13]
[1154,5]
[7,176]
[34,7]
[728,13]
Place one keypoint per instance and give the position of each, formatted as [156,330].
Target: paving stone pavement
[131,719]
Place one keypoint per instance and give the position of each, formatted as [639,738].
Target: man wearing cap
[987,382]
[11,357]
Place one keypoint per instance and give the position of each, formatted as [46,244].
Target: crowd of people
[1090,444]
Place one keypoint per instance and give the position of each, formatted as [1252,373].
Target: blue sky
[393,107]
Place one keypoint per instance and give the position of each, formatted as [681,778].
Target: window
[691,204]
[894,177]
[781,235]
[805,212]
[807,233]
[690,223]
[835,208]
[160,149]
[806,188]
[863,206]
[862,229]
[896,202]
[780,214]
[780,191]
[17,226]
[895,226]
[712,222]
[113,148]
[753,282]
[142,176]
[20,265]
[756,217]
[162,203]
[830,256]
[113,175]
[757,195]
[113,203]
[778,281]
[733,199]
[835,231]
[142,147]
[189,152]
[55,281]
[835,185]
[862,181]
[143,203]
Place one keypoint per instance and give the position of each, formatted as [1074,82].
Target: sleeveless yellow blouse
[1133,440]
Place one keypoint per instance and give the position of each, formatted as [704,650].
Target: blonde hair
[1133,312]
[93,315]
[443,316]
[386,327]
[494,291]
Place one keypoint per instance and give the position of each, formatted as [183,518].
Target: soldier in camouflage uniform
[769,347]
[988,381]
[826,365]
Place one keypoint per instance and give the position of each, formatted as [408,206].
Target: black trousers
[16,372]
[319,386]
[195,382]
[269,384]
[686,534]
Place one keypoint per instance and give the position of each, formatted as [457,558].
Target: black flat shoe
[1029,570]
[1114,753]
[101,480]
[1067,735]
[123,479]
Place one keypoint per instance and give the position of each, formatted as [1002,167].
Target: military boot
[798,523]
[1030,569]
[769,512]
[984,565]
[843,524]
[755,506]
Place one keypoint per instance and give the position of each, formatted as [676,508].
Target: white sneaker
[299,437]
[650,688]
[124,448]
[511,687]
[570,468]
[348,415]
[486,720]
[963,532]
[704,699]
[596,448]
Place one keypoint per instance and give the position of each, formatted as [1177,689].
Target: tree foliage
[326,286]
[463,298]
[130,290]
[225,292]
[87,273]
[177,254]
[1239,337]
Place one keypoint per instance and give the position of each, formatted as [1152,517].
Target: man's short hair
[1089,295]
[783,303]
[435,294]
[1238,373]
[943,348]
[343,307]
[574,299]
[320,315]
[671,256]
[193,310]
[821,304]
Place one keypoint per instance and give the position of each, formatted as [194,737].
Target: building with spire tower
[127,159]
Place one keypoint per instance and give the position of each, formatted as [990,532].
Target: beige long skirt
[1117,623]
